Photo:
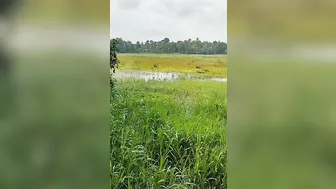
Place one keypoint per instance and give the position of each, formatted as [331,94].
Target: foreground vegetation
[201,65]
[168,134]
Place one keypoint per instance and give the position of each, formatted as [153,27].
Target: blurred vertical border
[281,95]
[54,111]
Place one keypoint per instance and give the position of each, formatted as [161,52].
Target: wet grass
[200,65]
[168,134]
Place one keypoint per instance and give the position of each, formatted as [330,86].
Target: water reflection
[161,76]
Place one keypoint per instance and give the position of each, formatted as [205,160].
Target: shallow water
[161,76]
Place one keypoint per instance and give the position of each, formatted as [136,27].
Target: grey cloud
[129,4]
[175,19]
[189,7]
[185,12]
[154,32]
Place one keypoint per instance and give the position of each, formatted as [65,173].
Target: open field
[168,134]
[200,65]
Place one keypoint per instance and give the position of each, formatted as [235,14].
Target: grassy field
[168,134]
[201,65]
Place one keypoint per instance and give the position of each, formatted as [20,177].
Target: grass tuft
[168,134]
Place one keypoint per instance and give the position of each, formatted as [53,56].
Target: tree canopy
[113,59]
[168,47]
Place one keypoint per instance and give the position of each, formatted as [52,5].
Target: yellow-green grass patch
[202,65]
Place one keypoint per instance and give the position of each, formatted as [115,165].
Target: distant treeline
[166,46]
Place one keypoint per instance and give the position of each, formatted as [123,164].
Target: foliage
[168,135]
[166,46]
[113,59]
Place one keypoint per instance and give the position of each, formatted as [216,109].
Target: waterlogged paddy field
[200,65]
[168,134]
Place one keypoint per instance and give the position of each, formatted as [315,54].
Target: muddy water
[161,76]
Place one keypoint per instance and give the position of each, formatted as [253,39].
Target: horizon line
[169,40]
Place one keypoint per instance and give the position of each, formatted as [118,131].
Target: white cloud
[176,19]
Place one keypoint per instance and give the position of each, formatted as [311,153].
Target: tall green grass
[168,134]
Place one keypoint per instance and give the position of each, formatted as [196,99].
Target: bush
[113,59]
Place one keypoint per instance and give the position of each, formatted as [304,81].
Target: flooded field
[200,65]
[161,76]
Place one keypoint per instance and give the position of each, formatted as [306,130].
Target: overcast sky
[176,19]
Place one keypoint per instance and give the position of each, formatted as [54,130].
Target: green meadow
[168,134]
[200,65]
